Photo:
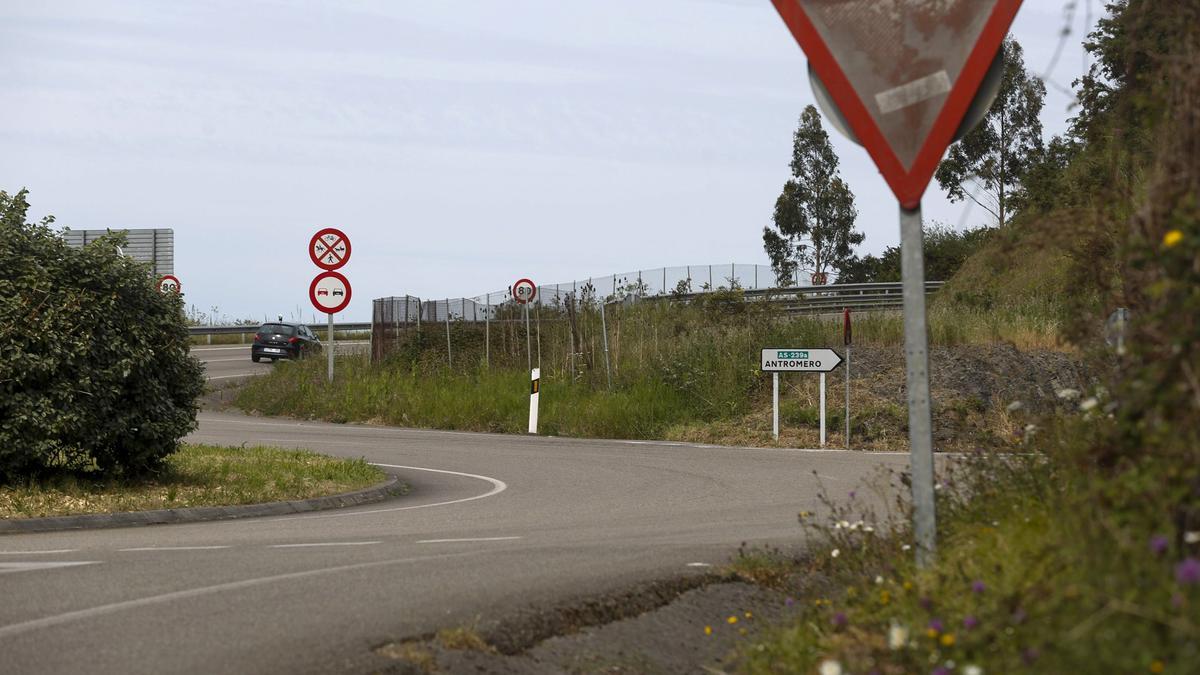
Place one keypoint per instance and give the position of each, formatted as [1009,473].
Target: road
[493,523]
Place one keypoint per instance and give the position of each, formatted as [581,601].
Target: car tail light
[257,337]
[293,340]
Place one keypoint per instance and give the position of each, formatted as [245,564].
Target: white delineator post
[775,405]
[916,346]
[330,346]
[535,381]
[822,410]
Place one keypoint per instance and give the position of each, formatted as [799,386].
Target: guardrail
[801,299]
[318,328]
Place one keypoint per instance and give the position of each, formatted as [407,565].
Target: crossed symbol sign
[331,251]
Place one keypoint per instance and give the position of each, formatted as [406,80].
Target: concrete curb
[95,521]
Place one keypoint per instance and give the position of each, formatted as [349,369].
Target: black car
[280,340]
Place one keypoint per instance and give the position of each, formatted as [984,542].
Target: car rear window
[277,329]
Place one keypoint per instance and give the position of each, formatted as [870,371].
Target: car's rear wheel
[255,358]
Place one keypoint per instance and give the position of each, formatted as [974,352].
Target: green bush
[95,374]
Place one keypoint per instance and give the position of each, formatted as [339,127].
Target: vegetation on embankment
[1082,555]
[196,475]
[681,372]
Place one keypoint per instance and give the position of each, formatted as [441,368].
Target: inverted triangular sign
[902,72]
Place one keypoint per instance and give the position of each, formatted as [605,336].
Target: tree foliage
[988,164]
[945,251]
[814,215]
[95,374]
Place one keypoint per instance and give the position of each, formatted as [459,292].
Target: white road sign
[799,360]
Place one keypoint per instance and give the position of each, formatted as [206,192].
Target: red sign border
[312,291]
[908,186]
[513,290]
[313,242]
[178,285]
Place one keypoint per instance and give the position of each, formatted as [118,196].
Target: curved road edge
[376,493]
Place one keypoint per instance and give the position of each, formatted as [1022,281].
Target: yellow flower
[884,597]
[708,630]
[1171,238]
[948,640]
[732,619]
[749,615]
[931,632]
[1157,666]
[907,585]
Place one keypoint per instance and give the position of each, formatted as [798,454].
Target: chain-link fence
[404,319]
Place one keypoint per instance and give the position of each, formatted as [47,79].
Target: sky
[460,146]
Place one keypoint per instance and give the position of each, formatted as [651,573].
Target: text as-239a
[799,360]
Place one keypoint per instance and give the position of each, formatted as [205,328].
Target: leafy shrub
[95,373]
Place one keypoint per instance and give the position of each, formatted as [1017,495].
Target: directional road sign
[524,291]
[168,283]
[329,292]
[329,248]
[799,360]
[903,73]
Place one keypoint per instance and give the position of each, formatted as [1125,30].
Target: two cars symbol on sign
[524,291]
[329,249]
[329,292]
[168,283]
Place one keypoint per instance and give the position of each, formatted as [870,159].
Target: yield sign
[902,72]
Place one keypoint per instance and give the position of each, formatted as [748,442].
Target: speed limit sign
[524,291]
[168,283]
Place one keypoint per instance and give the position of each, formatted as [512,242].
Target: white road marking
[498,486]
[101,610]
[698,564]
[30,566]
[226,377]
[57,550]
[173,548]
[225,360]
[326,543]
[448,541]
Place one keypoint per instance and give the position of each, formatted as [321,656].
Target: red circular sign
[329,248]
[329,292]
[169,283]
[524,291]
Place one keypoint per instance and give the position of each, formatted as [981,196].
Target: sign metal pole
[528,348]
[331,346]
[847,397]
[822,410]
[920,425]
[775,405]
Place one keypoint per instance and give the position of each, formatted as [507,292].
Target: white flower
[855,526]
[868,528]
[1191,537]
[972,669]
[905,547]
[1030,428]
[1089,403]
[1068,394]
[878,580]
[897,636]
[842,524]
[1015,406]
[835,553]
[830,667]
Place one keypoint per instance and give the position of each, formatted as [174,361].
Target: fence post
[710,282]
[487,334]
[604,330]
[449,355]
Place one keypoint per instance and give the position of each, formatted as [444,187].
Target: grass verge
[196,475]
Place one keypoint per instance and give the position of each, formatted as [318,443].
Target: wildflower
[731,620]
[935,627]
[749,615]
[840,620]
[897,636]
[708,630]
[878,580]
[830,667]
[1187,572]
[884,597]
[1172,238]
[1030,428]
[1089,403]
[1067,394]
[1158,544]
[948,640]
[805,514]
[907,585]
[941,670]
[852,493]
[1019,616]
[905,547]
[856,525]
[1015,406]
[868,528]
[1030,655]
[841,525]
[835,553]
[926,604]
[970,622]
[789,602]
[1191,537]
[978,586]
[972,669]
[1157,666]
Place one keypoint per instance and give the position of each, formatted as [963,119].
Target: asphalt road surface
[493,523]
